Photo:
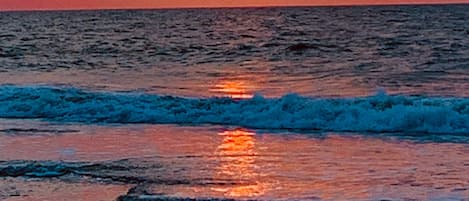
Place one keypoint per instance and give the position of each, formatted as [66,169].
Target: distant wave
[380,113]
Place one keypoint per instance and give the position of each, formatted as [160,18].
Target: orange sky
[113,4]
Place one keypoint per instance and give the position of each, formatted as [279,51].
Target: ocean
[294,103]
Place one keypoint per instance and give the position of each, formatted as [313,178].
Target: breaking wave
[379,113]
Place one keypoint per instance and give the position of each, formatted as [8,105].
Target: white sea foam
[380,113]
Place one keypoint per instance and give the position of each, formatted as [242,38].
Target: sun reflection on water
[239,89]
[238,156]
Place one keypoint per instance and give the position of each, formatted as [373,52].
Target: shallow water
[330,103]
[230,162]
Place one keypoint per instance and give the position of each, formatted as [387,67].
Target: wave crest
[380,113]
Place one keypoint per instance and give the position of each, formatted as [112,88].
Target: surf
[378,113]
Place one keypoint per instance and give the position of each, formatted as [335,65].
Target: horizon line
[235,7]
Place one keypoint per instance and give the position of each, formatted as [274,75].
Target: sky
[118,4]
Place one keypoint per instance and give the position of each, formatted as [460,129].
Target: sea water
[304,103]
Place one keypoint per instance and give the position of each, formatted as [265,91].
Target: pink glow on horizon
[117,4]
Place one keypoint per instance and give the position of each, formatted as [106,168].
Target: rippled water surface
[306,103]
[327,51]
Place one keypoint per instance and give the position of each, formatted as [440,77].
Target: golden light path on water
[233,89]
[238,162]
[238,149]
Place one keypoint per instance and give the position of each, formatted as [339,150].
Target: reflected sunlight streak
[237,89]
[238,155]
